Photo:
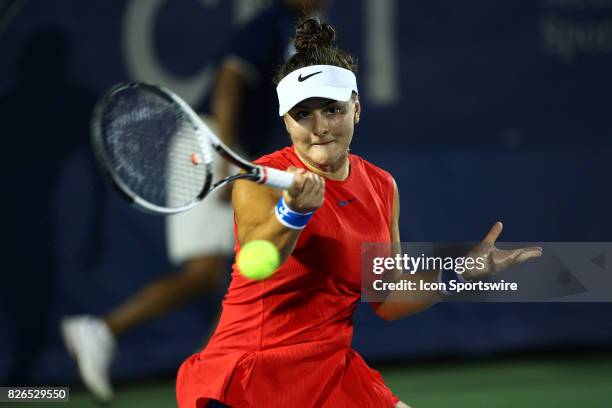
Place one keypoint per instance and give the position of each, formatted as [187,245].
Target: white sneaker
[90,341]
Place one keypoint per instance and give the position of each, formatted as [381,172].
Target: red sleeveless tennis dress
[286,341]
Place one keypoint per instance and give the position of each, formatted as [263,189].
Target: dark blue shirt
[262,46]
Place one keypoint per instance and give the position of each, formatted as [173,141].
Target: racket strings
[155,148]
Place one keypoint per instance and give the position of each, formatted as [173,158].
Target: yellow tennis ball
[258,259]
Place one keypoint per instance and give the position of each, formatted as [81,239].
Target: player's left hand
[497,260]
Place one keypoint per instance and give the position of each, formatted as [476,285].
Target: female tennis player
[286,341]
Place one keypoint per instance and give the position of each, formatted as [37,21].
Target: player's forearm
[394,310]
[262,213]
[272,230]
[399,304]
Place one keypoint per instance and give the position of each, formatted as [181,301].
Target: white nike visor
[315,81]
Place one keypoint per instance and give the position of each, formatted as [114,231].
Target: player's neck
[340,171]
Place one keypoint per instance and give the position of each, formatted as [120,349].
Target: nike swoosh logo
[303,78]
[345,202]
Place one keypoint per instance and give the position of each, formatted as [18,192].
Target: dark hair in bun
[311,34]
[314,42]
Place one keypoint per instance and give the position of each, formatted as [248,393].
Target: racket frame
[204,136]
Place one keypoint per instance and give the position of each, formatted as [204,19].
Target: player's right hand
[307,191]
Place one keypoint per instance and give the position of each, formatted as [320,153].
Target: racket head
[153,148]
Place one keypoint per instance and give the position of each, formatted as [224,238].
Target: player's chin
[329,149]
[326,154]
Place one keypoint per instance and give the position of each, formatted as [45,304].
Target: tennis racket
[159,154]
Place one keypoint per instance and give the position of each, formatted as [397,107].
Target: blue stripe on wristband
[289,218]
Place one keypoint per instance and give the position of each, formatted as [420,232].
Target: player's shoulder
[280,159]
[372,171]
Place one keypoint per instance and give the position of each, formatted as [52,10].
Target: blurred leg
[192,238]
[91,340]
[197,277]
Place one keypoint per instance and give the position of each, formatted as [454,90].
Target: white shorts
[207,229]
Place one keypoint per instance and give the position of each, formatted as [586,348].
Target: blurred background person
[200,240]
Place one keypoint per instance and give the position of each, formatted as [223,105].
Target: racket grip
[275,178]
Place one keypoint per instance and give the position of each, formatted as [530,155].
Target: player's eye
[302,114]
[334,110]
